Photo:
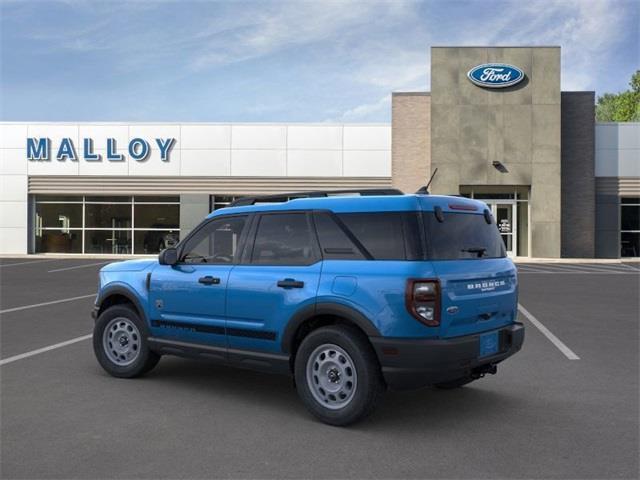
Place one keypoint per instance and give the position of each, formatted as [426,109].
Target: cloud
[368,110]
[286,26]
[284,60]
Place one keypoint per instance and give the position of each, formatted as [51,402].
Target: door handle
[290,283]
[209,280]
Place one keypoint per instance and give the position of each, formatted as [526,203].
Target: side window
[216,243]
[284,239]
[382,234]
[334,242]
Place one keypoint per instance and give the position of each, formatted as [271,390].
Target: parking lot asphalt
[542,416]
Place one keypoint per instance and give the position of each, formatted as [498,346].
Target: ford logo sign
[495,75]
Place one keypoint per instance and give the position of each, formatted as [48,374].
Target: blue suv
[349,294]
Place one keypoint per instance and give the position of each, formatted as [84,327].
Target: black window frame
[247,254]
[412,252]
[182,245]
[362,252]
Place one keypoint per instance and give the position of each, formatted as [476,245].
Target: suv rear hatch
[478,283]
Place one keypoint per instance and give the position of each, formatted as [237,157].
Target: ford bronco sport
[348,294]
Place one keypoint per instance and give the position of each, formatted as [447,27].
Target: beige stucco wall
[519,126]
[410,140]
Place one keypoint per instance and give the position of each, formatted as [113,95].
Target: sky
[279,61]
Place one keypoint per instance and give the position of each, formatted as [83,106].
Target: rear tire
[337,375]
[457,383]
[120,343]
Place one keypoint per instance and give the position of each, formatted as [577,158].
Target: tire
[457,383]
[125,353]
[348,359]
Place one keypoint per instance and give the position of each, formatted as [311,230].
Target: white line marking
[576,273]
[15,358]
[77,266]
[44,304]
[545,331]
[584,268]
[3,265]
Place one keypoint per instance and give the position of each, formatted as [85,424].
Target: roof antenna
[425,190]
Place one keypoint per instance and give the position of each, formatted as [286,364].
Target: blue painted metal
[477,295]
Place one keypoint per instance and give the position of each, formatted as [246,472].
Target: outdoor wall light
[500,167]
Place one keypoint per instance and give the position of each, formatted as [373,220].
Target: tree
[621,107]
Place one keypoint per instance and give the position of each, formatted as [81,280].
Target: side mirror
[168,256]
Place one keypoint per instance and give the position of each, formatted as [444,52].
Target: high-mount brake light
[460,206]
[422,299]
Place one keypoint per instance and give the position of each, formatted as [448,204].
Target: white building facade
[121,188]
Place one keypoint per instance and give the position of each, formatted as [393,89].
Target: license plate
[489,344]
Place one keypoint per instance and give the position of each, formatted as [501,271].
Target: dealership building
[496,125]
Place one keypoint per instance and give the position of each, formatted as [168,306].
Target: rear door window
[284,239]
[461,236]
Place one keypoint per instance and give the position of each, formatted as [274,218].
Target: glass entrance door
[506,221]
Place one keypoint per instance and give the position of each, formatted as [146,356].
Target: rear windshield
[461,236]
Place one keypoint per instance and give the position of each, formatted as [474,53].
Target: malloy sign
[40,149]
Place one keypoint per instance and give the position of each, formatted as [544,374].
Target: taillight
[423,301]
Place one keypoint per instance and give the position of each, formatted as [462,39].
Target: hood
[130,265]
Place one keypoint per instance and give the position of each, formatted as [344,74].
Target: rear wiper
[479,250]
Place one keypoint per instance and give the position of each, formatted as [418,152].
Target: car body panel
[258,320]
[246,311]
[181,307]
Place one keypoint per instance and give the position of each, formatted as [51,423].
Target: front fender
[139,299]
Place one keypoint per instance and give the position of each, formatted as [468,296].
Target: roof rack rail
[285,197]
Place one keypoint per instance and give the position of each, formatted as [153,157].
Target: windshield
[461,236]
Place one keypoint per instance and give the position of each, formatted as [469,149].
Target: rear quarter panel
[376,288]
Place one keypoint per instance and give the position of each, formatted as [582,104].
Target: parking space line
[549,272]
[547,333]
[78,266]
[15,358]
[44,304]
[17,264]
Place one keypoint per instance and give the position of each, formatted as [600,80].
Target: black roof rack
[285,197]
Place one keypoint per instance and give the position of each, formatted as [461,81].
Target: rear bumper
[412,363]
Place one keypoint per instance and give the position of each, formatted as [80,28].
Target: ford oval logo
[495,75]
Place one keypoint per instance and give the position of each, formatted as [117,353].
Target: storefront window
[221,201]
[154,241]
[59,241]
[107,241]
[157,216]
[630,227]
[59,215]
[106,224]
[105,215]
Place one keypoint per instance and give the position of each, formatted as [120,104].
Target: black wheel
[457,383]
[120,343]
[337,375]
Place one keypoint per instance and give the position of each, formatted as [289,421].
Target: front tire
[120,343]
[337,375]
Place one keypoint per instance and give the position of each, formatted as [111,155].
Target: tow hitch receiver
[479,372]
